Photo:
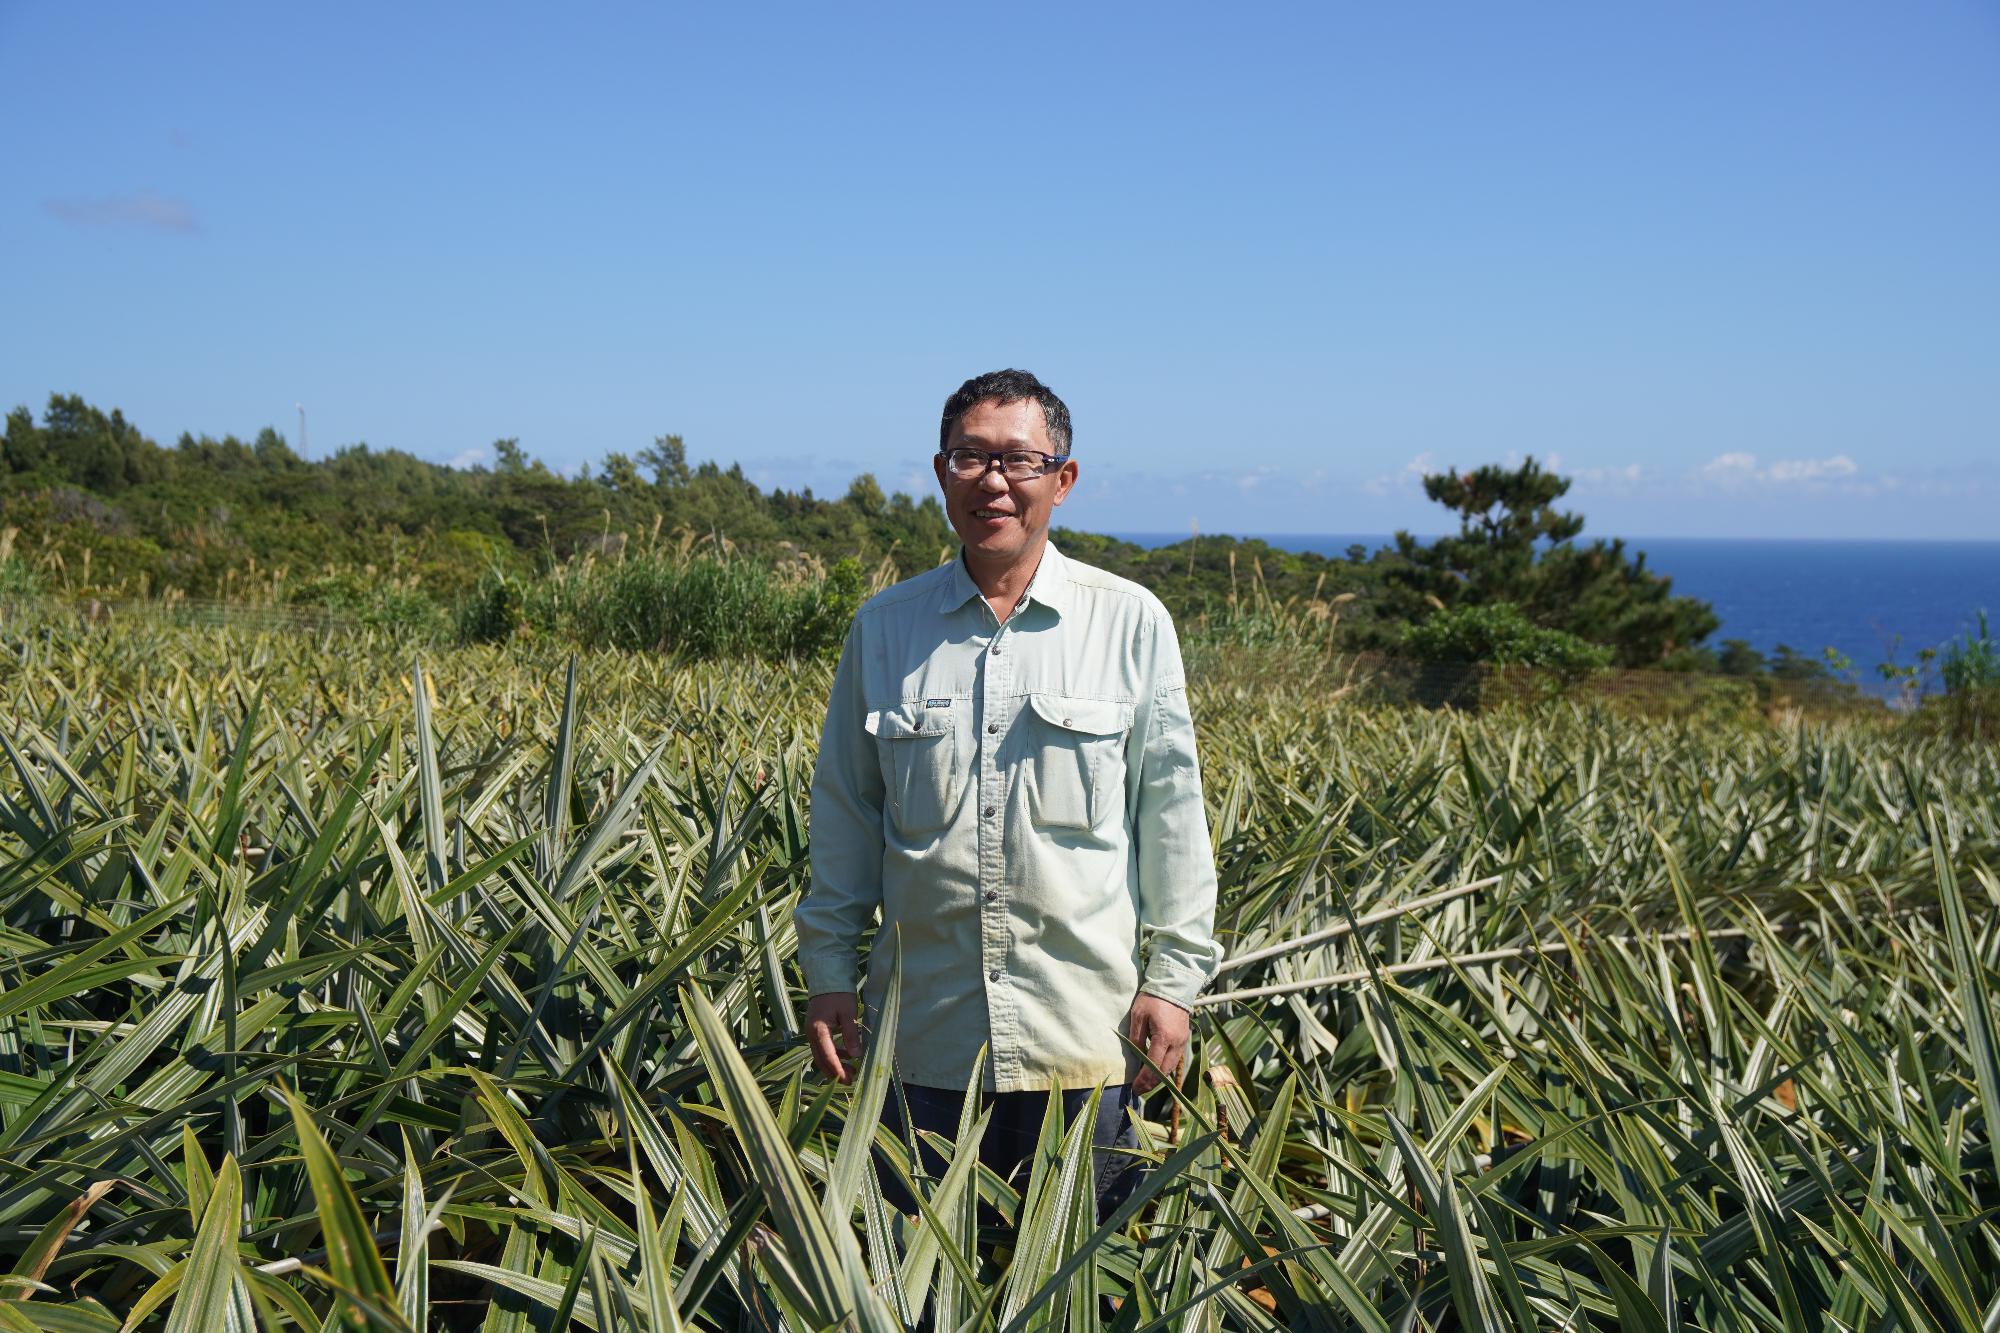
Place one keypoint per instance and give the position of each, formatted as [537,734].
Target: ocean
[1872,601]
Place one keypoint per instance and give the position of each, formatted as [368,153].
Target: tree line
[96,506]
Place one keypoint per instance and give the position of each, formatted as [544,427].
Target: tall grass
[702,607]
[17,579]
[1970,671]
[461,994]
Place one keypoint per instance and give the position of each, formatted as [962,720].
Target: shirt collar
[958,587]
[1049,587]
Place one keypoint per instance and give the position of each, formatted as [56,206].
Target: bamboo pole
[1373,918]
[1431,964]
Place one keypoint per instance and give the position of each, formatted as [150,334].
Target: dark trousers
[1011,1136]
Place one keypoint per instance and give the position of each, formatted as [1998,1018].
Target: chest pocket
[923,764]
[1076,759]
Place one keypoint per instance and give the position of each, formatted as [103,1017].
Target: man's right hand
[833,1026]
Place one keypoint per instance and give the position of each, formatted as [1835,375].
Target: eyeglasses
[966,464]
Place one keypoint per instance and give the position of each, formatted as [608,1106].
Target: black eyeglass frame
[994,459]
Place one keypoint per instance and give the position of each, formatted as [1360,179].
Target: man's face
[1003,522]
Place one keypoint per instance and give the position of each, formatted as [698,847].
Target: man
[1008,775]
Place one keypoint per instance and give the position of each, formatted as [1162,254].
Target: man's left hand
[1160,1029]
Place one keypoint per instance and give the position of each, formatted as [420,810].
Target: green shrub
[1459,646]
[824,618]
[491,612]
[377,602]
[1499,635]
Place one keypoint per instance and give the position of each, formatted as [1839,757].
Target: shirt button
[993,975]
[992,895]
[989,812]
[996,650]
[992,727]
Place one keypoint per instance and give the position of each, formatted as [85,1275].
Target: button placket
[990,752]
[992,863]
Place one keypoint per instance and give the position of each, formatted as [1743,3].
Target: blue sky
[1732,267]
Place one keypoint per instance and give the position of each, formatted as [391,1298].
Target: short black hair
[1003,387]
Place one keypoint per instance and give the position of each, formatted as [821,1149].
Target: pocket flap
[907,719]
[1088,717]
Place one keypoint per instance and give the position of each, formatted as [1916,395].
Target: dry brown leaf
[82,1204]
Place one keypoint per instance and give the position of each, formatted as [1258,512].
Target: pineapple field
[351,983]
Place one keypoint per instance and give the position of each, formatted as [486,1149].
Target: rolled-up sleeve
[847,795]
[1176,862]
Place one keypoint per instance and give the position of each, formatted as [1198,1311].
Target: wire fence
[186,611]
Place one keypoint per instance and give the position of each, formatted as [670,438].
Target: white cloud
[470,458]
[1730,469]
[1734,471]
[1608,480]
[1812,469]
[1409,476]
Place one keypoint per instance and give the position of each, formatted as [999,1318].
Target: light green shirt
[1021,804]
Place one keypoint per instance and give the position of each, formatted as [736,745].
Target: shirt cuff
[830,973]
[1176,984]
